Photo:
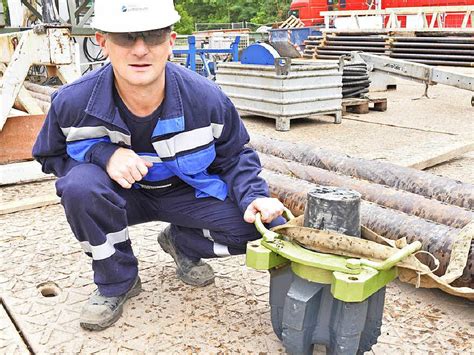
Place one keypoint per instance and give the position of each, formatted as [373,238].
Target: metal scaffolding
[79,13]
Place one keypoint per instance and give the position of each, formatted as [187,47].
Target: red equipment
[309,10]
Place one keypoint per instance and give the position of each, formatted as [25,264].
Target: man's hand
[269,208]
[125,167]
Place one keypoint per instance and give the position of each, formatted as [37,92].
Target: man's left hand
[269,208]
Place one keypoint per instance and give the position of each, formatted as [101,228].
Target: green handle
[268,235]
[389,262]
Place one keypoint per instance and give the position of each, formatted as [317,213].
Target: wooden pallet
[362,106]
[292,22]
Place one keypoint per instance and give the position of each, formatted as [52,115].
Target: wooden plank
[378,104]
[28,204]
[360,106]
[20,173]
[17,113]
[442,156]
[18,136]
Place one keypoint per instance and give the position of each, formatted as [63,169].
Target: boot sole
[193,282]
[135,291]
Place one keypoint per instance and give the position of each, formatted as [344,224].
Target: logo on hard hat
[132,7]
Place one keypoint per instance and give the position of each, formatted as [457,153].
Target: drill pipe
[435,238]
[408,179]
[403,201]
[42,89]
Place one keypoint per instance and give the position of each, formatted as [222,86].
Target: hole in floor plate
[353,278]
[48,289]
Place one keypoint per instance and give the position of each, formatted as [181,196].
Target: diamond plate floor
[231,316]
[10,340]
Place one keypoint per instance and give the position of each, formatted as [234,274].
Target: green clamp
[352,280]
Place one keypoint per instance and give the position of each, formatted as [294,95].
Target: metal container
[283,91]
[290,41]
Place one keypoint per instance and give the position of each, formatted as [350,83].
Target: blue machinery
[208,66]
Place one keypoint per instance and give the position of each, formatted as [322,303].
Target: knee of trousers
[85,186]
[238,236]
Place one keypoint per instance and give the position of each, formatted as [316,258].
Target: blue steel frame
[192,51]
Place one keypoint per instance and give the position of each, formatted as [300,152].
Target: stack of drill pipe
[41,93]
[310,45]
[435,238]
[47,91]
[407,179]
[335,46]
[417,205]
[455,51]
[355,80]
[407,202]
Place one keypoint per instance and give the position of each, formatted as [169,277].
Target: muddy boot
[101,312]
[196,273]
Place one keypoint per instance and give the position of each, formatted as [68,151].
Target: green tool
[351,279]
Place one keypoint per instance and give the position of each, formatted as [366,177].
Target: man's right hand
[125,167]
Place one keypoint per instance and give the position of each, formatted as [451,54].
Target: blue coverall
[203,175]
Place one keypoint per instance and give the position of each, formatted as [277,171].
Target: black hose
[355,80]
[90,58]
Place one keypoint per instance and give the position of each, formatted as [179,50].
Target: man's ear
[172,40]
[101,39]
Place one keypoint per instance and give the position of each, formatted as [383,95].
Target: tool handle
[390,261]
[266,233]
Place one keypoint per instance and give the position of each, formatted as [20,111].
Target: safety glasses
[151,38]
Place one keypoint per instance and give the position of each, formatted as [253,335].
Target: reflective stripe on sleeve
[189,140]
[150,158]
[217,130]
[80,133]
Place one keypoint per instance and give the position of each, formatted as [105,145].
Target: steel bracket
[282,65]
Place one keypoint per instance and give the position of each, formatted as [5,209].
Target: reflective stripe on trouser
[98,219]
[99,212]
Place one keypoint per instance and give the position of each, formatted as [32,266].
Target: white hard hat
[133,15]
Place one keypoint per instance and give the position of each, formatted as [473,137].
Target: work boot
[196,273]
[101,312]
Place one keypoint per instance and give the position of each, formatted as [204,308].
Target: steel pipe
[357,38]
[435,238]
[460,58]
[40,97]
[447,51]
[433,45]
[354,43]
[45,90]
[403,201]
[408,179]
[435,39]
[437,62]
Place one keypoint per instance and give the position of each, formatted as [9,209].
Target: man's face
[138,58]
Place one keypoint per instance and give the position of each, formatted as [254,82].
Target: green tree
[186,24]
[224,11]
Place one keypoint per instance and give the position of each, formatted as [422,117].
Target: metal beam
[415,71]
[32,9]
[86,17]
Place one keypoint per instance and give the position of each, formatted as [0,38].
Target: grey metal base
[304,313]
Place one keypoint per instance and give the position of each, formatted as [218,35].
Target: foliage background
[226,11]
